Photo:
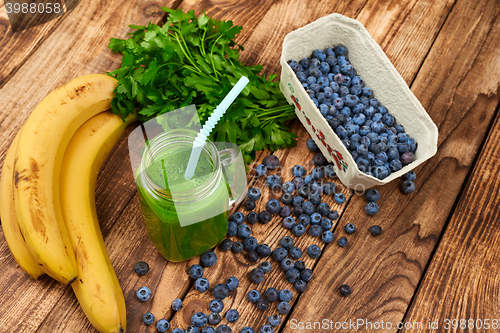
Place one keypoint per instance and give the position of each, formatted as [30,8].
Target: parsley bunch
[191,60]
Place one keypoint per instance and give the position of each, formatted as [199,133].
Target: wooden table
[437,258]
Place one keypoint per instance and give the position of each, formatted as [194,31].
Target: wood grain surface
[446,50]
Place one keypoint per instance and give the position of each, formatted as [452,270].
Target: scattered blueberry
[208,259]
[249,204]
[143,294]
[292,275]
[265,216]
[287,264]
[319,160]
[306,275]
[295,252]
[333,215]
[283,308]
[162,325]
[247,329]
[232,315]
[273,182]
[300,286]
[407,186]
[286,242]
[223,329]
[288,222]
[141,268]
[238,218]
[371,208]
[216,305]
[254,194]
[199,319]
[177,304]
[345,290]
[178,330]
[271,162]
[201,284]
[273,206]
[267,329]
[314,251]
[244,231]
[311,145]
[372,195]
[226,244]
[237,247]
[253,296]
[339,198]
[375,230]
[274,320]
[252,256]
[285,211]
[323,208]
[298,230]
[300,265]
[252,217]
[350,228]
[271,295]
[250,243]
[342,241]
[220,291]
[263,250]
[410,175]
[327,236]
[265,266]
[148,318]
[326,224]
[298,171]
[257,275]
[262,304]
[287,198]
[279,254]
[232,283]
[207,329]
[261,170]
[315,230]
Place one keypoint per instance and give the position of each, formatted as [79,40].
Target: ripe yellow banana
[97,287]
[11,231]
[46,135]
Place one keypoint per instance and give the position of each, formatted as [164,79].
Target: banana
[39,155]
[97,287]
[10,227]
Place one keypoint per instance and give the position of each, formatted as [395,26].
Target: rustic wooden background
[437,258]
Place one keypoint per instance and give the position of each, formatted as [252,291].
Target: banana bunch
[47,200]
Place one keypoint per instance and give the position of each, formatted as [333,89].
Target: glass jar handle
[233,167]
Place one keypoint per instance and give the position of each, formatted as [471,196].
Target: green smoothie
[202,200]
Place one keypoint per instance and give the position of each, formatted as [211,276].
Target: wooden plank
[77,47]
[15,48]
[384,271]
[468,252]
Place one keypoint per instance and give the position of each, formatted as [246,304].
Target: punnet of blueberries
[377,142]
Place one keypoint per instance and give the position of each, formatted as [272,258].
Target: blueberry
[273,181]
[330,171]
[327,236]
[271,162]
[262,304]
[220,291]
[350,228]
[315,230]
[266,329]
[265,216]
[308,207]
[271,295]
[315,218]
[345,290]
[201,284]
[311,145]
[288,187]
[252,256]
[177,304]
[412,143]
[339,198]
[375,230]
[261,170]
[300,286]
[178,330]
[298,182]
[265,266]
[407,158]
[395,165]
[273,206]
[199,319]
[208,259]
[315,199]
[208,329]
[319,54]
[299,230]
[314,251]
[333,215]
[303,191]
[410,175]
[407,187]
[301,76]
[250,243]
[238,218]
[306,275]
[232,315]
[298,171]
[223,329]
[231,229]
[253,296]
[298,201]
[319,160]
[287,264]
[162,325]
[263,250]
[274,320]
[285,211]
[342,241]
[215,305]
[257,275]
[226,244]
[237,247]
[292,275]
[232,283]
[371,208]
[326,223]
[287,198]
[141,268]
[283,308]
[148,318]
[286,242]
[317,173]
[304,219]
[295,252]
[323,208]
[252,217]
[254,194]
[244,231]
[247,329]
[143,294]
[317,188]
[249,204]
[298,210]
[330,188]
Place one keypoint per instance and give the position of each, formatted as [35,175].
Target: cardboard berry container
[378,73]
